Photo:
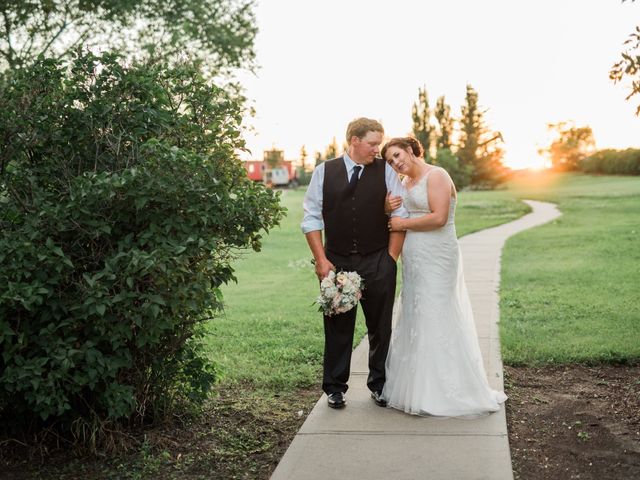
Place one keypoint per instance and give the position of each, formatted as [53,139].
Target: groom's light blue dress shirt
[312,204]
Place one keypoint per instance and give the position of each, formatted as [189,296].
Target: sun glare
[523,161]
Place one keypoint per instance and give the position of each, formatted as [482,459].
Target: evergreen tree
[423,130]
[303,176]
[303,157]
[445,123]
[273,157]
[489,170]
[478,149]
[446,159]
[470,129]
[332,150]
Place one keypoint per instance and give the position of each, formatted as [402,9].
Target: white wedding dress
[434,365]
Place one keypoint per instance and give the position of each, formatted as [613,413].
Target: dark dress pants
[378,271]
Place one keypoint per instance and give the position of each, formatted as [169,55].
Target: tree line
[573,148]
[466,147]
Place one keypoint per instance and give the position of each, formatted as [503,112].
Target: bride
[434,365]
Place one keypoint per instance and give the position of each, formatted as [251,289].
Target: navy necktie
[354,178]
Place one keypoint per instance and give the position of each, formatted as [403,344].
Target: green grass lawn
[270,336]
[568,294]
[569,289]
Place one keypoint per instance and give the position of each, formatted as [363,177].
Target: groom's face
[365,149]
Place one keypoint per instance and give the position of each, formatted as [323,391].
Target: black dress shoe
[336,400]
[377,397]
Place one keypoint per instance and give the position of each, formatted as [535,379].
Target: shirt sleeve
[395,187]
[312,204]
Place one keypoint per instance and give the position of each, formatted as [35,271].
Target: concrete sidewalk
[364,441]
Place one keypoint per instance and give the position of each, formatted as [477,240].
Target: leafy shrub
[122,205]
[615,162]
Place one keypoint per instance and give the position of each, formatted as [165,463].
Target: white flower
[339,292]
[331,291]
[328,280]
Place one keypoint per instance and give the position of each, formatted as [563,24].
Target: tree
[612,162]
[478,148]
[460,175]
[303,157]
[445,158]
[629,66]
[490,171]
[471,127]
[303,175]
[445,123]
[273,157]
[332,150]
[422,127]
[477,159]
[218,32]
[571,145]
[123,206]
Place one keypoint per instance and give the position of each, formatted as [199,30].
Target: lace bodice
[416,200]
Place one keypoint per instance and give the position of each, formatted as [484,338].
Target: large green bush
[613,162]
[122,204]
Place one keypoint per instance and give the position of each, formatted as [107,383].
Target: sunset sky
[324,63]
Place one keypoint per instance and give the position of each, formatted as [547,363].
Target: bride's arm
[439,191]
[396,240]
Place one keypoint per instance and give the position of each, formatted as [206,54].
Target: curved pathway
[364,441]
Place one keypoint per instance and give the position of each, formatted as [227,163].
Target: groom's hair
[361,126]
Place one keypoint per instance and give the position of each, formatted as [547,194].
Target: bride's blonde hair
[404,143]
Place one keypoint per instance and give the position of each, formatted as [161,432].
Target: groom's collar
[348,163]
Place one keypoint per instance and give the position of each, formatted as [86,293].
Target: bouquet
[339,292]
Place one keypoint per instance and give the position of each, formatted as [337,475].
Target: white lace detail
[434,366]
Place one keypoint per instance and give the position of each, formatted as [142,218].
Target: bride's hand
[396,224]
[391,203]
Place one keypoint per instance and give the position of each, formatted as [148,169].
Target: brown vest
[354,222]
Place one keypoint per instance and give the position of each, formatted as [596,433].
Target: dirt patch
[574,422]
[565,422]
[241,434]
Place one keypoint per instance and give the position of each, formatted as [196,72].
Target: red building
[259,171]
[255,169]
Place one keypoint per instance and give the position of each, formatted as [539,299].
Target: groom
[345,198]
